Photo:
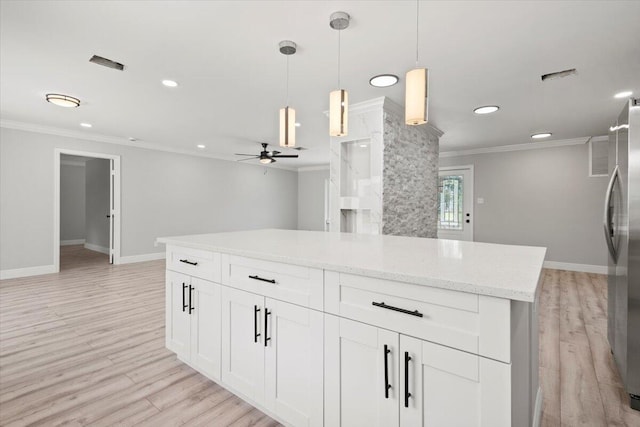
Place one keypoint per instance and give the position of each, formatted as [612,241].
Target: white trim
[469,187]
[144,257]
[313,168]
[50,130]
[537,409]
[56,201]
[96,248]
[519,147]
[72,242]
[584,268]
[27,271]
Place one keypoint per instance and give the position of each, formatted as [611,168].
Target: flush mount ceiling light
[287,114]
[339,98]
[62,100]
[487,109]
[383,80]
[625,94]
[170,83]
[86,125]
[541,135]
[416,102]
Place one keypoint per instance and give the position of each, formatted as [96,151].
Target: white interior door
[112,209]
[455,203]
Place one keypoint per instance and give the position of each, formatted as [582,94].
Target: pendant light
[416,100]
[339,98]
[287,114]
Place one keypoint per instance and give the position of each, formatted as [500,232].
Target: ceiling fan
[265,156]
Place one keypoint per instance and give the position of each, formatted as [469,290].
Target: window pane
[450,202]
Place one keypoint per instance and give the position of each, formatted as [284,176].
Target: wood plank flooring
[86,347]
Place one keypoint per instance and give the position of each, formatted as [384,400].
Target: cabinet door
[242,344]
[205,327]
[177,320]
[355,386]
[452,388]
[293,363]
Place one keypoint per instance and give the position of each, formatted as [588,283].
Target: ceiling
[224,55]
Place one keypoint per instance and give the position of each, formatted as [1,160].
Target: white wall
[540,197]
[311,199]
[72,201]
[163,194]
[98,174]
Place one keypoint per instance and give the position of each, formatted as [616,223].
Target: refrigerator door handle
[608,232]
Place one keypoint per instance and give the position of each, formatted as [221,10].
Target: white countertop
[505,271]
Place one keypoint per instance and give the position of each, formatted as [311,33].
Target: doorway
[99,215]
[455,203]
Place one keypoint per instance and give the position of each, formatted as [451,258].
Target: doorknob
[108,216]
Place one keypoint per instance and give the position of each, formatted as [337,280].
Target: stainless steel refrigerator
[622,234]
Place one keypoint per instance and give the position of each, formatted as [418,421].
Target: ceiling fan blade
[285,155]
[241,154]
[250,158]
[275,153]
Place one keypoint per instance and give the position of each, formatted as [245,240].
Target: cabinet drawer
[472,323]
[285,282]
[194,262]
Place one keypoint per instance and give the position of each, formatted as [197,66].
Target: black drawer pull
[184,304]
[401,310]
[262,279]
[191,307]
[387,386]
[186,261]
[256,334]
[407,395]
[266,326]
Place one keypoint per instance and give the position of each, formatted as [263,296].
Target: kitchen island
[336,329]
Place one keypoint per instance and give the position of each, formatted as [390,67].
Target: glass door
[455,203]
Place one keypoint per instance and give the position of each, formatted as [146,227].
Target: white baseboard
[537,409]
[72,242]
[96,248]
[141,258]
[584,268]
[27,271]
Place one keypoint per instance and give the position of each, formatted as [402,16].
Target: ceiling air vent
[106,62]
[559,74]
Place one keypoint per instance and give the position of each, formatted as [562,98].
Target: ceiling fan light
[62,100]
[287,127]
[266,160]
[338,113]
[416,100]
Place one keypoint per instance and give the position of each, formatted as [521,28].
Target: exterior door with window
[455,203]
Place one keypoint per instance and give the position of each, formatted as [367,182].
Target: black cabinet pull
[262,279]
[256,310]
[401,310]
[407,395]
[191,307]
[184,305]
[266,325]
[186,261]
[387,386]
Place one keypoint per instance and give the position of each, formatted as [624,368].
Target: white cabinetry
[193,321]
[375,377]
[272,355]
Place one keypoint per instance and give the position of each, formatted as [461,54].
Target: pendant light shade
[287,127]
[416,97]
[338,112]
[287,114]
[339,98]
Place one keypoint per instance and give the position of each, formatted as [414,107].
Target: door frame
[114,184]
[470,189]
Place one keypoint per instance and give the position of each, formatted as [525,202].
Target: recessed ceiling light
[86,125]
[298,124]
[624,94]
[487,109]
[62,100]
[363,145]
[201,146]
[383,80]
[169,83]
[541,135]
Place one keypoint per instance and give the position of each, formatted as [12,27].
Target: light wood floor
[86,347]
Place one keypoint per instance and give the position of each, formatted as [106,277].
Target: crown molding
[520,147]
[50,130]
[313,168]
[394,107]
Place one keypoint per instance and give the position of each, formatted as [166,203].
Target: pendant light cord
[339,87]
[287,103]
[417,28]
